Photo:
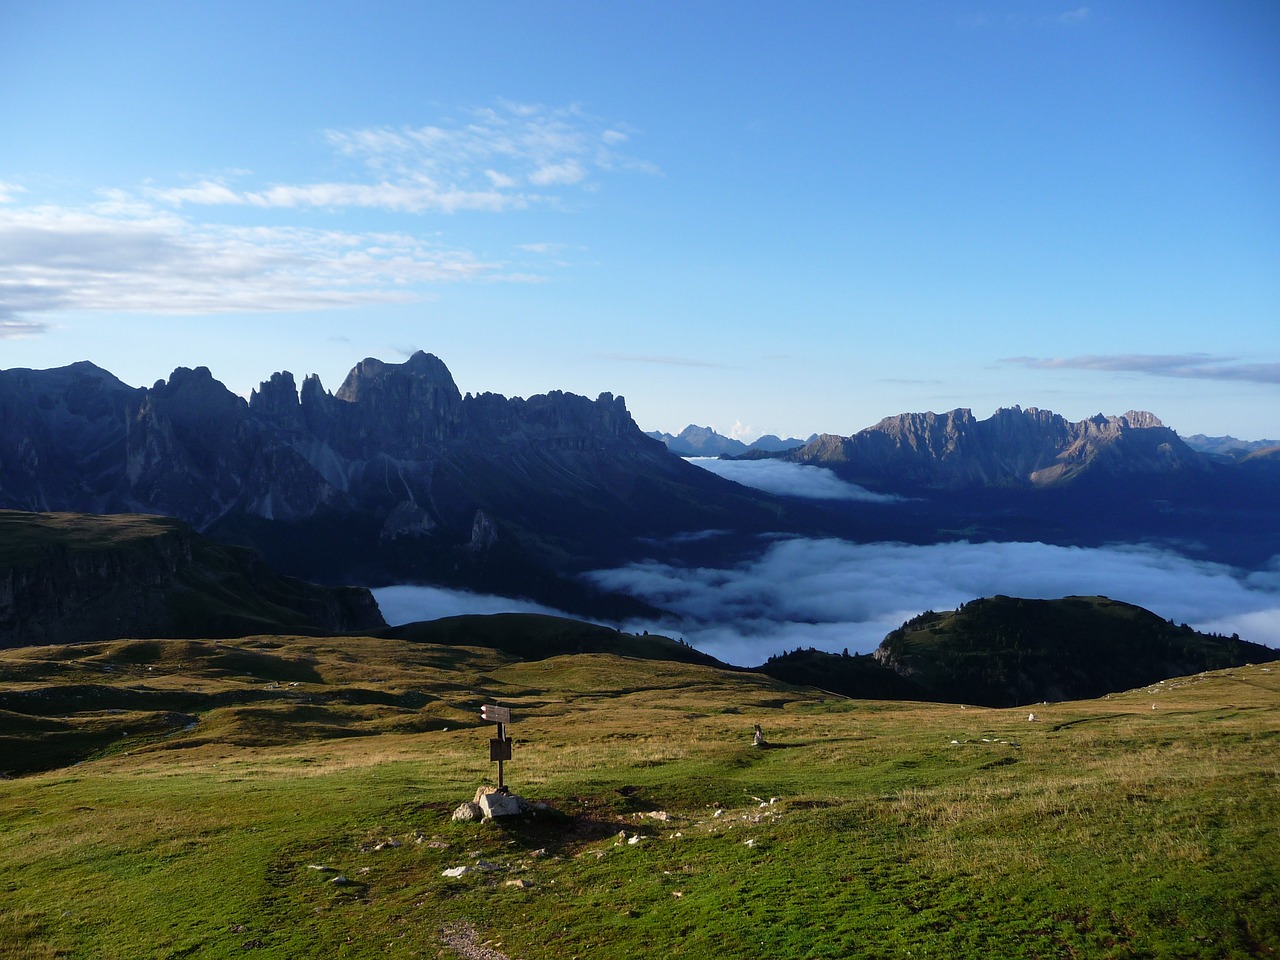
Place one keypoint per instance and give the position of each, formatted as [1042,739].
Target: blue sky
[781,218]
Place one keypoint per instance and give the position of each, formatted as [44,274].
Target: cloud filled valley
[836,595]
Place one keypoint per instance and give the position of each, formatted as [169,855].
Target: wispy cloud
[147,260]
[1190,366]
[11,329]
[501,158]
[154,250]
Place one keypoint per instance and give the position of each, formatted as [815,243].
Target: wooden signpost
[499,746]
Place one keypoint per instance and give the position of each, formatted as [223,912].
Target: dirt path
[464,941]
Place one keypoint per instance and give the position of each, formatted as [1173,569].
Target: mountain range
[1031,474]
[695,441]
[1012,448]
[397,477]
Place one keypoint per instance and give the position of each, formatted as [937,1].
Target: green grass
[1103,829]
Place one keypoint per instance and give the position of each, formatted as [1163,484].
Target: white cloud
[149,251]
[151,261]
[480,163]
[790,479]
[1187,366]
[13,329]
[558,174]
[832,595]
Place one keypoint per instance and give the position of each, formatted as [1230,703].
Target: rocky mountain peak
[423,375]
[1142,420]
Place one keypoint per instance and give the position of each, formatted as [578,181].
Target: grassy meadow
[291,797]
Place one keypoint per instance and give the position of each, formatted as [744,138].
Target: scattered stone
[539,853]
[634,839]
[483,792]
[486,866]
[340,881]
[387,845]
[463,940]
[749,843]
[658,815]
[518,884]
[320,866]
[456,871]
[467,811]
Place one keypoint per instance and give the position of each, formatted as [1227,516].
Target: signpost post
[499,746]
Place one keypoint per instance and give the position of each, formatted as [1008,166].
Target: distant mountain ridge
[695,441]
[1012,448]
[1228,446]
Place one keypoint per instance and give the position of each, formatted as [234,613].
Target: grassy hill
[66,577]
[1005,651]
[532,636]
[281,797]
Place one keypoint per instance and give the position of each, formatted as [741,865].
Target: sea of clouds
[835,595]
[790,479]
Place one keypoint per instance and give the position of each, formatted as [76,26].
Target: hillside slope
[1004,651]
[282,797]
[71,578]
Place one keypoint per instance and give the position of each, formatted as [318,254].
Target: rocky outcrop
[76,578]
[1013,448]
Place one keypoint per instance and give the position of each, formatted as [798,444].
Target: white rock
[501,805]
[456,872]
